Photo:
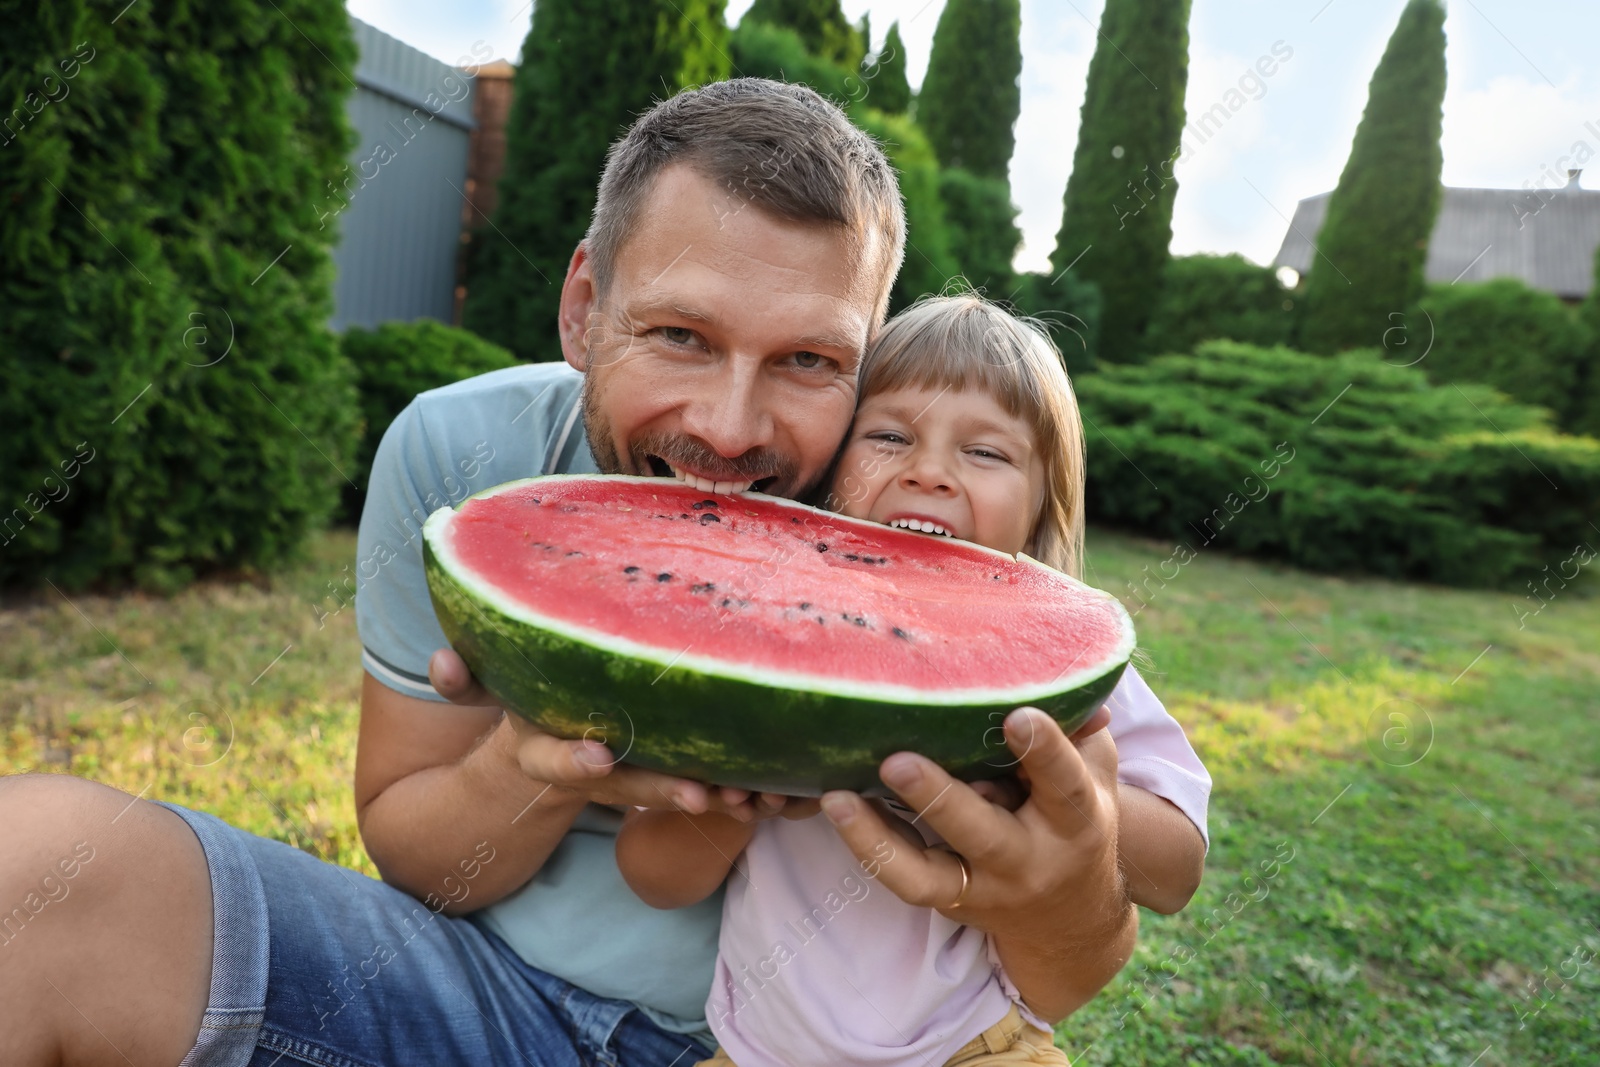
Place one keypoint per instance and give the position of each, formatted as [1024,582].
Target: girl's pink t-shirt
[818,964]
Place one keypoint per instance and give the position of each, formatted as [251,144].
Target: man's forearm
[1059,967]
[463,835]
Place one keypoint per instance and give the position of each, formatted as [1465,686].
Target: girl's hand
[779,806]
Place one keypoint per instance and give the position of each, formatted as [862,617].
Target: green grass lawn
[1405,861]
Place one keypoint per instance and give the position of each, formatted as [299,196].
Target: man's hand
[1043,879]
[587,768]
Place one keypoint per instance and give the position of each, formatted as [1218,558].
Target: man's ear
[578,300]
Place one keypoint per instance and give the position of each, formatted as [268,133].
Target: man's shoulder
[520,388]
[524,415]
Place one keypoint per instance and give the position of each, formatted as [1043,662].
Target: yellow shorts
[1011,1042]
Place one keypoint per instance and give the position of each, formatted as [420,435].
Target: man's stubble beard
[682,451]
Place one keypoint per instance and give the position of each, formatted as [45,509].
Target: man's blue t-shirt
[576,919]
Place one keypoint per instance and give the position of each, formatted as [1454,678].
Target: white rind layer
[436,531]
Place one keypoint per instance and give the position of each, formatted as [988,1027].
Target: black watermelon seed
[726,601]
[663,577]
[859,620]
[900,633]
[685,515]
[702,587]
[819,618]
[574,552]
[805,605]
[851,556]
[704,504]
[708,517]
[630,570]
[821,547]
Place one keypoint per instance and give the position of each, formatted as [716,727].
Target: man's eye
[808,360]
[677,335]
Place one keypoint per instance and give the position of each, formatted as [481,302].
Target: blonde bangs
[966,343]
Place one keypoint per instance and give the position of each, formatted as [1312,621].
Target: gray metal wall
[399,207]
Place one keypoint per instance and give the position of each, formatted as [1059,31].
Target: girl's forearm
[1162,853]
[672,859]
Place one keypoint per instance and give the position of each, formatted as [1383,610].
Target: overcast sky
[1524,91]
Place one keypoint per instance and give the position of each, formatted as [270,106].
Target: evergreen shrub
[885,75]
[1374,241]
[1587,408]
[1069,307]
[971,96]
[1341,464]
[1116,222]
[1205,298]
[1504,333]
[394,363]
[588,70]
[174,401]
[763,50]
[929,264]
[982,224]
[820,26]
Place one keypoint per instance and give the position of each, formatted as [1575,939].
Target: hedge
[1340,464]
[1208,298]
[174,401]
[1504,333]
[394,363]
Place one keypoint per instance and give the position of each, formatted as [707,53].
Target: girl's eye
[677,335]
[888,437]
[988,453]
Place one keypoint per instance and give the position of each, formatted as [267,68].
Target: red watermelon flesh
[668,591]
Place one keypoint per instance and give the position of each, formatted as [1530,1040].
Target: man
[744,240]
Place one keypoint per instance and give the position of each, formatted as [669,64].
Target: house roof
[1545,237]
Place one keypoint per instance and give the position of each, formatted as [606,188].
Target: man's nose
[733,413]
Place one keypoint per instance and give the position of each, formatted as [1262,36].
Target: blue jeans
[317,964]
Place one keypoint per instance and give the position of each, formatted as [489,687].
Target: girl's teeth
[921,526]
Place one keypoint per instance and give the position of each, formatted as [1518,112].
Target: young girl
[967,428]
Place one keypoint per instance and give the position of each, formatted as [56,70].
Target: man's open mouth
[708,484]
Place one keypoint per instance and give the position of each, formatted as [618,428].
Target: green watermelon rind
[690,716]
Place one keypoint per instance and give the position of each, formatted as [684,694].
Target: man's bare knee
[105,926]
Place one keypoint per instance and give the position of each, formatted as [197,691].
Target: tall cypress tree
[1117,221]
[821,25]
[1374,242]
[970,98]
[587,72]
[174,400]
[887,87]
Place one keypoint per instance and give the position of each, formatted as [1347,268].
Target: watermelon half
[751,641]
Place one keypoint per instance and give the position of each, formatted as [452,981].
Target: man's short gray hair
[778,147]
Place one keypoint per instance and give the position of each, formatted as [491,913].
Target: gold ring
[966,881]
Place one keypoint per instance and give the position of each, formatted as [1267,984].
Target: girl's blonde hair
[966,342]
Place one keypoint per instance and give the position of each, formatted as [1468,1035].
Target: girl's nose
[928,473]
